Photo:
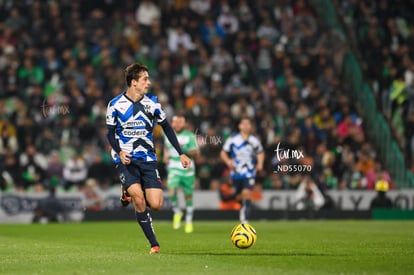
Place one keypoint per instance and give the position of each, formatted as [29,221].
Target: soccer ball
[243,235]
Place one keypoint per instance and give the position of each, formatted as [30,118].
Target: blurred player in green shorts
[179,178]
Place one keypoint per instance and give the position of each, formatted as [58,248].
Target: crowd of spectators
[62,61]
[384,34]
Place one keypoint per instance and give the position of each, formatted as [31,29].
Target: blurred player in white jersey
[244,156]
[130,118]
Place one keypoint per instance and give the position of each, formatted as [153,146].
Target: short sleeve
[110,115]
[227,145]
[258,146]
[159,113]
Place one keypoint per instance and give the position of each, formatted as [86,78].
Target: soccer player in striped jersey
[130,119]
[244,156]
[179,177]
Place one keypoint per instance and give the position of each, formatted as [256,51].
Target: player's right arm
[111,122]
[226,159]
[260,161]
[192,153]
[193,149]
[224,155]
[260,156]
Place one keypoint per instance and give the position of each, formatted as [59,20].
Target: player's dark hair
[181,114]
[238,121]
[133,71]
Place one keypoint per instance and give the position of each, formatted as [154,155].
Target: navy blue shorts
[241,184]
[139,171]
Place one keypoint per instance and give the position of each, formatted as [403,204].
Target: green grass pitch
[282,247]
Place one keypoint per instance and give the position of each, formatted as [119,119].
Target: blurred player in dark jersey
[130,119]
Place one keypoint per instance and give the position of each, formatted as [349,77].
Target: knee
[246,194]
[155,199]
[156,206]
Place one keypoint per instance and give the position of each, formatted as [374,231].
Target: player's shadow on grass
[274,254]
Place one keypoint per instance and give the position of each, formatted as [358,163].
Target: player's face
[142,84]
[245,126]
[178,123]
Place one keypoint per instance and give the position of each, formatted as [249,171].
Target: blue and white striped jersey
[134,123]
[244,155]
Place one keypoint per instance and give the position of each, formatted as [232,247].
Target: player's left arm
[169,132]
[260,156]
[260,161]
[172,138]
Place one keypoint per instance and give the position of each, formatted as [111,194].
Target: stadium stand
[380,33]
[275,61]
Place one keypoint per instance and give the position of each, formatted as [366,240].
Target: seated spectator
[267,30]
[228,21]
[179,38]
[54,171]
[310,134]
[308,196]
[8,141]
[357,179]
[11,173]
[200,7]
[32,165]
[75,172]
[146,12]
[365,163]
[210,29]
[348,127]
[324,121]
[345,110]
[94,200]
[30,73]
